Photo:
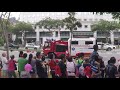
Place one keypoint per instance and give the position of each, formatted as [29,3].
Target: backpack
[108,70]
[88,71]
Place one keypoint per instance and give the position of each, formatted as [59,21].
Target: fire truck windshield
[47,44]
[61,48]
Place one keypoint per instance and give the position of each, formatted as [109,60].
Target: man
[21,63]
[94,53]
[62,66]
[5,66]
[39,66]
[111,69]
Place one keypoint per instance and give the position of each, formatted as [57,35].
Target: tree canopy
[71,22]
[103,25]
[116,15]
[22,27]
[49,23]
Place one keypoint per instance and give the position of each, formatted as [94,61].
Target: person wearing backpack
[71,68]
[111,69]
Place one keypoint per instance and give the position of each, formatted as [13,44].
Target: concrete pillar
[95,34]
[112,37]
[37,35]
[59,35]
[53,34]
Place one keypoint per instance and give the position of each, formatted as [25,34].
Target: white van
[81,45]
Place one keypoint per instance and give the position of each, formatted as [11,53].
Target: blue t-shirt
[93,54]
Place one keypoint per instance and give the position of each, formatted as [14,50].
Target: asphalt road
[105,54]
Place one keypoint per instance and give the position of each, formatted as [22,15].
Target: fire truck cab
[81,45]
[56,47]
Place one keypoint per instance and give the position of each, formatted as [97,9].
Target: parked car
[12,46]
[106,46]
[32,45]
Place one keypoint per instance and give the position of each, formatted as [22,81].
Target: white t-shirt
[4,61]
[70,68]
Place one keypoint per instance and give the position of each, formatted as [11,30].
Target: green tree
[71,23]
[115,15]
[105,26]
[50,24]
[22,28]
[1,41]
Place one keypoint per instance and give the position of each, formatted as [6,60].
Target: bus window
[74,42]
[88,42]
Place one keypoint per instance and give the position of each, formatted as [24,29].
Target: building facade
[86,19]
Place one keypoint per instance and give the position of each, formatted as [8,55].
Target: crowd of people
[67,67]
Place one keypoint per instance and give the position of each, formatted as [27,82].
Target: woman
[32,62]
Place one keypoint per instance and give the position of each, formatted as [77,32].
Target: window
[86,26]
[61,48]
[96,19]
[88,42]
[74,42]
[85,19]
[90,19]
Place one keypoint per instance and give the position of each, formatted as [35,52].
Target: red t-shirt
[11,66]
[57,70]
[52,64]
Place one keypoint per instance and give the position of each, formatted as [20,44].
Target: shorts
[4,73]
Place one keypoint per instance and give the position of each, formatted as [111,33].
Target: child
[11,67]
[57,70]
[26,73]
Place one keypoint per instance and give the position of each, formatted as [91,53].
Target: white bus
[81,45]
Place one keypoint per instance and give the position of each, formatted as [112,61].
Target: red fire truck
[56,47]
